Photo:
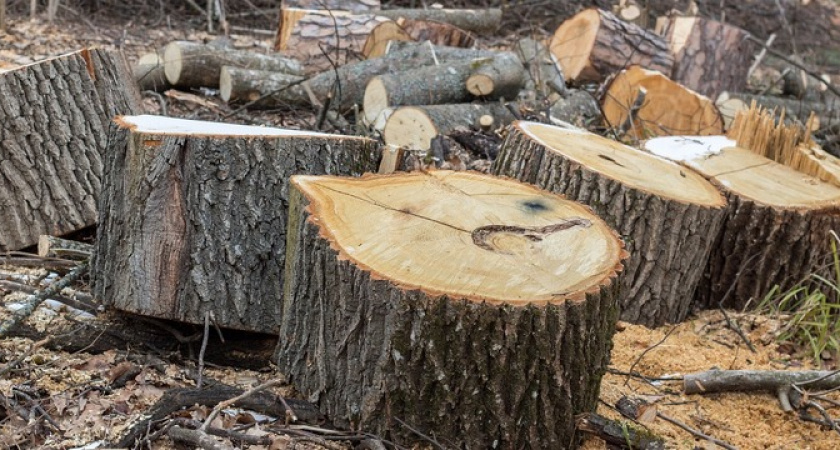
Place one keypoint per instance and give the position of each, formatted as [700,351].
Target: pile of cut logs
[476,308]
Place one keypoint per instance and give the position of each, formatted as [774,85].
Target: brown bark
[334,5]
[480,21]
[55,247]
[595,44]
[194,218]
[668,216]
[711,57]
[378,333]
[54,118]
[402,29]
[246,85]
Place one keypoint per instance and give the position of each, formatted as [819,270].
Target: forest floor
[69,387]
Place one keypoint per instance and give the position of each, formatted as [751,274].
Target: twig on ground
[198,383]
[695,432]
[227,403]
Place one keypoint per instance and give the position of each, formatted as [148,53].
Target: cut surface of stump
[667,215]
[777,227]
[644,103]
[444,309]
[54,118]
[194,219]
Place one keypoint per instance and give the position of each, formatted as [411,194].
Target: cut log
[414,127]
[546,74]
[402,29]
[595,44]
[453,82]
[578,108]
[479,21]
[667,215]
[711,57]
[190,65]
[246,85]
[149,73]
[54,118]
[194,219]
[56,247]
[334,5]
[444,310]
[776,231]
[645,103]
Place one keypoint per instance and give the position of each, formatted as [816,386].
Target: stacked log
[416,321]
[402,29]
[333,5]
[54,129]
[193,219]
[149,73]
[667,215]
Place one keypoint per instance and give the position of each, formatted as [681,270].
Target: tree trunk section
[503,77]
[594,44]
[578,108]
[643,103]
[776,229]
[194,219]
[402,29]
[667,215]
[333,5]
[54,118]
[479,21]
[545,72]
[711,57]
[149,73]
[190,65]
[377,328]
[246,85]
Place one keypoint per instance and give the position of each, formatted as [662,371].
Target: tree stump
[643,103]
[668,216]
[711,57]
[594,44]
[487,329]
[776,229]
[54,118]
[193,219]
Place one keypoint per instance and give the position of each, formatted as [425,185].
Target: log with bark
[546,74]
[255,86]
[594,44]
[54,118]
[479,21]
[56,247]
[668,216]
[643,103]
[334,5]
[500,76]
[149,73]
[402,29]
[777,226]
[432,316]
[194,216]
[711,57]
[191,65]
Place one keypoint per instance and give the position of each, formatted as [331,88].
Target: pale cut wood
[444,309]
[194,219]
[776,229]
[54,118]
[334,5]
[666,107]
[188,64]
[594,44]
[246,85]
[711,57]
[56,247]
[503,77]
[402,29]
[667,215]
[149,73]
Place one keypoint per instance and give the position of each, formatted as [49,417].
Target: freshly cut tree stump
[438,317]
[645,103]
[402,29]
[188,64]
[246,85]
[669,216]
[414,127]
[776,230]
[149,73]
[54,118]
[193,219]
[711,57]
[594,44]
[334,5]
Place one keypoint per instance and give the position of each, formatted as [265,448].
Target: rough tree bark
[149,73]
[667,215]
[335,5]
[402,29]
[54,118]
[480,21]
[246,85]
[484,329]
[194,216]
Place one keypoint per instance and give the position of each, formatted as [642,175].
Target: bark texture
[54,119]
[545,73]
[149,73]
[246,85]
[194,224]
[669,240]
[479,21]
[402,29]
[336,5]
[711,57]
[475,375]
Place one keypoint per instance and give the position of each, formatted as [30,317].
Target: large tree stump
[402,29]
[54,118]
[669,216]
[711,57]
[487,329]
[193,220]
[594,44]
[776,230]
[644,103]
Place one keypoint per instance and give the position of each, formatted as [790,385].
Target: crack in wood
[481,235]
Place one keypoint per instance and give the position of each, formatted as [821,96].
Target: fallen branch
[618,434]
[714,381]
